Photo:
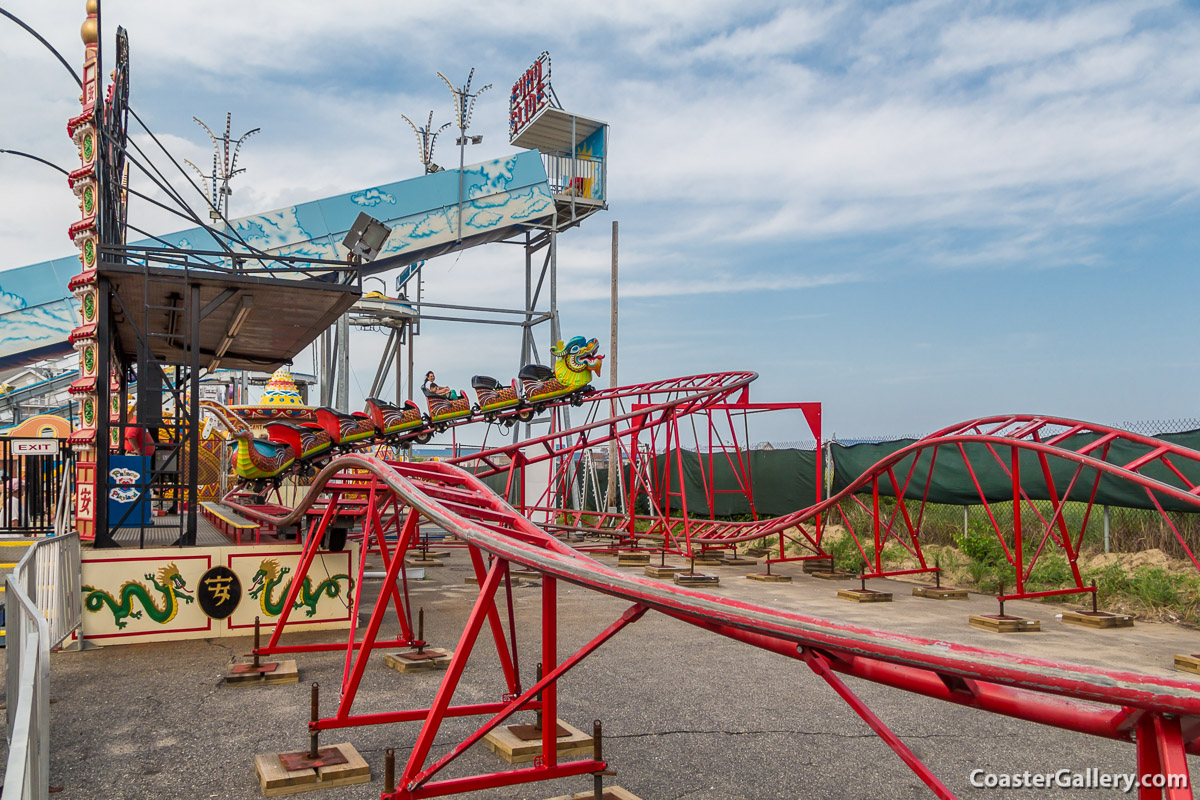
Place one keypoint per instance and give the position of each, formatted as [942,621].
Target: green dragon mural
[268,582]
[168,582]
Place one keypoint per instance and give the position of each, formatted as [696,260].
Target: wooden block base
[633,559]
[836,575]
[939,593]
[765,578]
[696,579]
[665,571]
[284,672]
[815,565]
[610,793]
[739,562]
[1006,624]
[515,750]
[431,553]
[708,562]
[527,574]
[1098,619]
[424,562]
[864,596]
[1186,663]
[397,661]
[274,780]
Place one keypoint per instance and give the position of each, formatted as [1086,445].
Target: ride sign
[530,94]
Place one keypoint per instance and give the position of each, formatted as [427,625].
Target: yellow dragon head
[576,361]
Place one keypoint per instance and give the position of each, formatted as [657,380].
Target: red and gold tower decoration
[84,132]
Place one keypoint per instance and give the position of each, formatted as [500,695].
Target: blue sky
[916,213]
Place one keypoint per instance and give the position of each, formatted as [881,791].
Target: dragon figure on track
[574,364]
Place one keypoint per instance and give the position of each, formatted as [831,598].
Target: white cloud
[746,136]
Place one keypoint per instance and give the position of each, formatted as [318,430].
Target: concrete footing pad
[1004,624]
[410,661]
[340,765]
[516,749]
[269,672]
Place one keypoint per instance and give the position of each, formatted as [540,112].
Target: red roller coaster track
[1161,715]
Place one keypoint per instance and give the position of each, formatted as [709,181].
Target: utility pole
[614,456]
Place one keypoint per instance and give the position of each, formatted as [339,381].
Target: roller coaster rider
[431,388]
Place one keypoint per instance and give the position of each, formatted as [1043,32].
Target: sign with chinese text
[85,491]
[219,592]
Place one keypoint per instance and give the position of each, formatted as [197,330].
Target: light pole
[426,141]
[464,106]
[224,169]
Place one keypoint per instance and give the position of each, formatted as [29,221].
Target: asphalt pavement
[687,714]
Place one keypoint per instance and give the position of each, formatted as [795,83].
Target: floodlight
[245,306]
[366,237]
[431,168]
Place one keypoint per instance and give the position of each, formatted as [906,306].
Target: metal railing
[44,606]
[580,176]
[29,483]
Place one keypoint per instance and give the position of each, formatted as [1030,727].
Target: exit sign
[34,447]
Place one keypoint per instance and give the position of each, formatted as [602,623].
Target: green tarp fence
[951,480]
[782,481]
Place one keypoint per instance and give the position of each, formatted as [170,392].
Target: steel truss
[543,473]
[660,412]
[1161,715]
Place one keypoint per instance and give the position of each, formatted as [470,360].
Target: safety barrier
[43,608]
[30,475]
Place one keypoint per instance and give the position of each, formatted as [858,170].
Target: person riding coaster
[445,404]
[443,410]
[390,421]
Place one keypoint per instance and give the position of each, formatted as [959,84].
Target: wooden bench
[229,522]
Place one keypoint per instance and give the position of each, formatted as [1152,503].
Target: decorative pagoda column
[84,182]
